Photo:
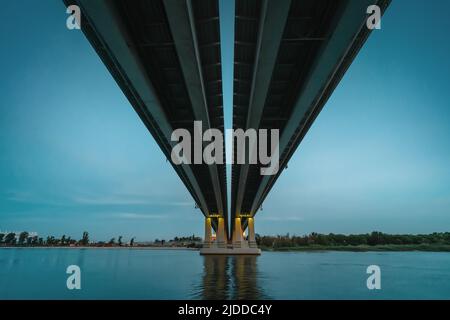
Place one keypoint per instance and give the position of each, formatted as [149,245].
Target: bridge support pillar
[251,233]
[221,237]
[207,239]
[237,234]
[219,247]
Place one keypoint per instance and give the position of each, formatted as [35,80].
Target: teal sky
[74,155]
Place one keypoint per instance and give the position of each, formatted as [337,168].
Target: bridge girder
[156,60]
[319,41]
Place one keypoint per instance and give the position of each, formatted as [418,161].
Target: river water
[181,274]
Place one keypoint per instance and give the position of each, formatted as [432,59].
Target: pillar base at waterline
[230,251]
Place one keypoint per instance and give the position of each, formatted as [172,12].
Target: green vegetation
[375,241]
[24,239]
[85,239]
[10,238]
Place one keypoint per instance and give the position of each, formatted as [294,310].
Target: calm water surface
[166,274]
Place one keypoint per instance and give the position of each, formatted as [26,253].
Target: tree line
[370,239]
[24,239]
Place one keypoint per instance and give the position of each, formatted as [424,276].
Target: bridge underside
[166,57]
[289,58]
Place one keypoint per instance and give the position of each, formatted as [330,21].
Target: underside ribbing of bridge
[289,56]
[166,58]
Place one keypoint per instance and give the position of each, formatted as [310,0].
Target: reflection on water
[229,277]
[169,274]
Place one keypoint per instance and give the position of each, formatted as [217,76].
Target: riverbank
[103,248]
[311,248]
[366,248]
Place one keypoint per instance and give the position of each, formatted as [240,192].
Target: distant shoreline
[312,248]
[364,248]
[106,248]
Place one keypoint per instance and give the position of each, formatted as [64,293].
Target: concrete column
[251,233]
[221,240]
[233,236]
[207,240]
[237,234]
